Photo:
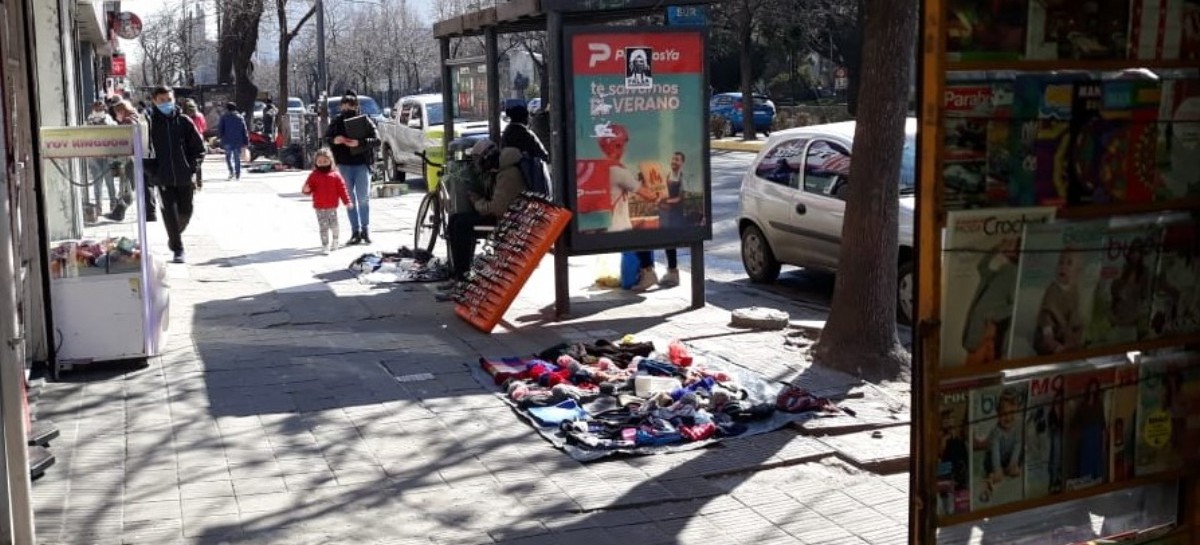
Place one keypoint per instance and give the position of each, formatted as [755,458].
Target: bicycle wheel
[429,223]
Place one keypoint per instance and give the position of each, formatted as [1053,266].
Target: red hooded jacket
[327,188]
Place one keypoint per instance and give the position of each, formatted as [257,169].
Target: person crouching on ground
[327,187]
[486,210]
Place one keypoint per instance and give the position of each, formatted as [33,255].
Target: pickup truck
[416,124]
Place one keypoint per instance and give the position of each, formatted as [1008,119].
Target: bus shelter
[628,108]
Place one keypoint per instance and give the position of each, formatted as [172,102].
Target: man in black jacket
[178,152]
[517,134]
[354,155]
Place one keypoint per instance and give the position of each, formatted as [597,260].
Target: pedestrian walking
[127,114]
[101,168]
[327,188]
[234,137]
[193,112]
[269,114]
[177,151]
[354,154]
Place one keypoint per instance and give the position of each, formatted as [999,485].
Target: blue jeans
[233,160]
[358,185]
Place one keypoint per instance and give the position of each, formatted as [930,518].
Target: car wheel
[906,288]
[757,257]
[391,171]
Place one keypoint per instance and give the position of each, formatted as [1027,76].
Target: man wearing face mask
[354,157]
[177,151]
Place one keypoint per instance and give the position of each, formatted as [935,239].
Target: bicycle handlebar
[425,158]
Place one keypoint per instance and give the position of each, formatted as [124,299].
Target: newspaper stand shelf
[490,292]
[941,68]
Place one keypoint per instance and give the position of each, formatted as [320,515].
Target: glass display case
[109,294]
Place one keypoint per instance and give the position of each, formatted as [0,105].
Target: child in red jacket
[327,188]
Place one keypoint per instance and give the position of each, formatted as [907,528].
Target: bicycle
[433,214]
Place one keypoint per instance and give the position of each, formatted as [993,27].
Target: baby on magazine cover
[1004,450]
[1060,323]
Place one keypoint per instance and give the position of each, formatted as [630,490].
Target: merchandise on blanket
[377,268]
[794,399]
[554,415]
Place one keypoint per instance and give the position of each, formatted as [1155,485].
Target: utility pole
[322,73]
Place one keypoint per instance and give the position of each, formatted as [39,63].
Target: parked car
[295,106]
[366,105]
[792,203]
[417,125]
[729,106]
[535,105]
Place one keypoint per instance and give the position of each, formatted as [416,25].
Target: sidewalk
[292,406]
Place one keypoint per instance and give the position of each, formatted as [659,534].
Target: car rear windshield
[295,104]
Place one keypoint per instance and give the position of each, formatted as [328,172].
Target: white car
[791,204]
[417,125]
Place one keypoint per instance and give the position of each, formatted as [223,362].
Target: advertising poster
[639,152]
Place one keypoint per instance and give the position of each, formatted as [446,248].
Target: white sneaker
[646,280]
[670,280]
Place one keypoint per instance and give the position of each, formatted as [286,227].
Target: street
[723,259]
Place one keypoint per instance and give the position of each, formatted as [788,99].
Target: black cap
[517,113]
[350,99]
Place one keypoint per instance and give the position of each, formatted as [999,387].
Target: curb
[737,145]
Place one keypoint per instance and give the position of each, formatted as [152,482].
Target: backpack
[536,175]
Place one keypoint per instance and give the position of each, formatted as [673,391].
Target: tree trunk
[285,40]
[226,45]
[746,37]
[860,336]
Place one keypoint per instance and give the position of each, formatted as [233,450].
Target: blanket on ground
[592,406]
[403,266]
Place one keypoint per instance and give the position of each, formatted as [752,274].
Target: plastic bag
[608,270]
[245,155]
[630,270]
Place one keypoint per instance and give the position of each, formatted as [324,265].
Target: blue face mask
[167,108]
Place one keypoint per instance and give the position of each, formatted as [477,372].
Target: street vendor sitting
[507,183]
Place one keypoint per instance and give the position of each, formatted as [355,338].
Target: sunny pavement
[295,405]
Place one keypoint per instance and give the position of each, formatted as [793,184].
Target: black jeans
[646,259]
[176,212]
[461,238]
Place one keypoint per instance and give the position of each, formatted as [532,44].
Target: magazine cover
[1083,154]
[1086,440]
[1155,29]
[1045,415]
[986,29]
[1123,296]
[968,108]
[1176,307]
[1122,427]
[1000,157]
[1179,140]
[1055,99]
[979,280]
[1060,265]
[997,434]
[1062,29]
[1115,144]
[1168,406]
[954,458]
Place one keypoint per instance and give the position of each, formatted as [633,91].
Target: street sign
[687,15]
[129,26]
[118,66]
[841,79]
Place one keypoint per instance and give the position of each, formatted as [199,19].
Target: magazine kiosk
[1059,273]
[109,295]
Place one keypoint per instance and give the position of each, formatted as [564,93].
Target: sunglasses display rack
[522,237]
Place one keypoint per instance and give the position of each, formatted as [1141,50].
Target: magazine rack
[1058,201]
